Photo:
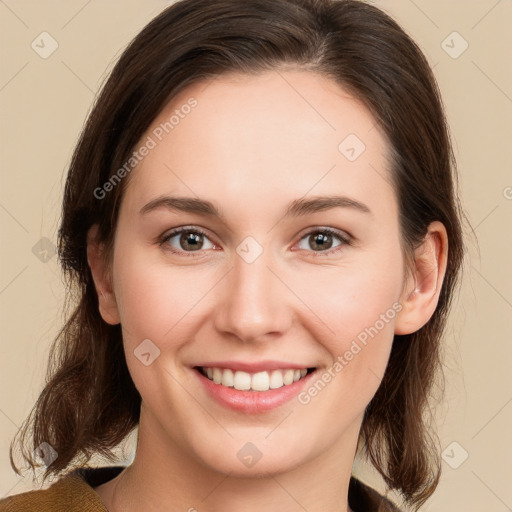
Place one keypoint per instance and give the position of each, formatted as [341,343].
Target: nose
[254,304]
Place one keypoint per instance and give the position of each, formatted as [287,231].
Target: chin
[251,456]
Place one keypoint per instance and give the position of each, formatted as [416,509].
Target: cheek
[154,300]
[354,298]
[359,349]
[358,306]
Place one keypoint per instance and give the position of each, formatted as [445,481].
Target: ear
[421,293]
[102,282]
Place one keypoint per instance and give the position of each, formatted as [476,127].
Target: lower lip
[252,401]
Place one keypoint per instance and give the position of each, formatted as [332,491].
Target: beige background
[45,101]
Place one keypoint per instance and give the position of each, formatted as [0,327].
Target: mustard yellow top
[74,492]
[71,493]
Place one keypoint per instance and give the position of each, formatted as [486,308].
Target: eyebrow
[297,208]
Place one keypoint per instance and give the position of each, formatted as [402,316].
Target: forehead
[291,132]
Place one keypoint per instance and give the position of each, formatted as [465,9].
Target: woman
[261,225]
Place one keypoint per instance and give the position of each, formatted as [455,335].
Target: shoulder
[71,493]
[362,498]
[74,493]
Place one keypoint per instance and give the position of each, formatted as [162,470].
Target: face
[299,271]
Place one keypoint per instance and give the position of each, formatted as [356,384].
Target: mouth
[260,381]
[253,389]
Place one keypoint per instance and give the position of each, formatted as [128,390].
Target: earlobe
[420,298]
[106,297]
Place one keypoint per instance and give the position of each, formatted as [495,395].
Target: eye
[186,240]
[322,240]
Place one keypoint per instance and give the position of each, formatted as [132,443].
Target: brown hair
[89,403]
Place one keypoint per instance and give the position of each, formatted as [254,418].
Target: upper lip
[254,367]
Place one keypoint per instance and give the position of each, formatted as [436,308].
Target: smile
[260,381]
[253,388]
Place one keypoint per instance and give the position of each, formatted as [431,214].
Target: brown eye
[185,240]
[191,240]
[323,240]
[320,241]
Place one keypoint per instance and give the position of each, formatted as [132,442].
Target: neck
[164,476]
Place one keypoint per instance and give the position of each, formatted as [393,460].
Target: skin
[250,146]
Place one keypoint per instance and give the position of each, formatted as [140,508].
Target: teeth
[288,377]
[217,376]
[276,379]
[242,381]
[227,378]
[261,381]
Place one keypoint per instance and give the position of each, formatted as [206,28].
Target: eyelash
[343,237]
